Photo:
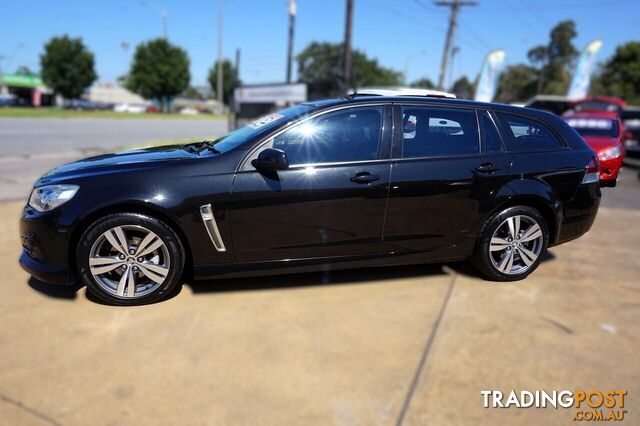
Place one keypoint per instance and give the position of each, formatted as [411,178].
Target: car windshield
[594,126]
[597,106]
[267,122]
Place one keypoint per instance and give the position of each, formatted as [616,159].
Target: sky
[406,35]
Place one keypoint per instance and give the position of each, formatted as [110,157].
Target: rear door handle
[486,168]
[364,177]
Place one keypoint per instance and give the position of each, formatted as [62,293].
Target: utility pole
[346,62]
[162,13]
[292,21]
[455,6]
[220,68]
[238,64]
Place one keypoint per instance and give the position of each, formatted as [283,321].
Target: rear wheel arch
[92,217]
[542,205]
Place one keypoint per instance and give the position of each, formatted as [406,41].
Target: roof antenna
[351,96]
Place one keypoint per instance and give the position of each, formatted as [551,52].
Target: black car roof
[325,103]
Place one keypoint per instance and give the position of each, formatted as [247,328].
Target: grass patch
[14,112]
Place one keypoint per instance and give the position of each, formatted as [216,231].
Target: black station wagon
[360,181]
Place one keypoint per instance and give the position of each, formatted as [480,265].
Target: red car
[602,130]
[600,104]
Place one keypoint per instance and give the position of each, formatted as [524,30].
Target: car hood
[599,143]
[109,163]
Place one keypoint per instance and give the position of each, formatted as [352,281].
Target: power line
[557,6]
[532,11]
[469,42]
[475,35]
[516,13]
[413,19]
[428,7]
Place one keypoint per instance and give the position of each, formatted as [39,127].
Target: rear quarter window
[527,134]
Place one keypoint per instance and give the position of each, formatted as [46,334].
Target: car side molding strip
[210,224]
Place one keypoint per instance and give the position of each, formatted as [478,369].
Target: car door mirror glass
[271,159]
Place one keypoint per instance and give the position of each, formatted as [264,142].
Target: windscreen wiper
[198,147]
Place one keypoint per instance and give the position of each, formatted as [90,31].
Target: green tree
[620,75]
[67,66]
[229,79]
[539,56]
[463,88]
[554,60]
[423,83]
[24,70]
[320,66]
[517,84]
[192,93]
[159,71]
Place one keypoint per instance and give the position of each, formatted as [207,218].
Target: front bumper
[45,246]
[45,273]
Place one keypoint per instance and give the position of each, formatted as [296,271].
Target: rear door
[447,164]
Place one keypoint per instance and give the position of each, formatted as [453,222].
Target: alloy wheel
[516,245]
[129,261]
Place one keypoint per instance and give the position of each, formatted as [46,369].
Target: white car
[130,108]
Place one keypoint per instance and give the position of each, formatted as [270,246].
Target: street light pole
[220,68]
[346,62]
[292,20]
[163,14]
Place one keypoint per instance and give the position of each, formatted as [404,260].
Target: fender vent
[212,227]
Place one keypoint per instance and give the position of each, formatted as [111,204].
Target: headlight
[49,197]
[610,153]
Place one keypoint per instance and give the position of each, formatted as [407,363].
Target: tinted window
[528,134]
[268,122]
[431,132]
[490,135]
[351,134]
[605,127]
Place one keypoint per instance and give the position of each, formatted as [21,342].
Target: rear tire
[511,244]
[130,259]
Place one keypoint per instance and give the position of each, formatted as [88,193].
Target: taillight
[592,172]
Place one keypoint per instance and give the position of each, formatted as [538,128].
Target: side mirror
[271,159]
[628,136]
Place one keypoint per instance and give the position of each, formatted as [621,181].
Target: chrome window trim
[245,163]
[209,220]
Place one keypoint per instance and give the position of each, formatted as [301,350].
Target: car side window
[346,135]
[527,134]
[432,132]
[490,135]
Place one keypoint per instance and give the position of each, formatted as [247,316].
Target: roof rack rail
[402,91]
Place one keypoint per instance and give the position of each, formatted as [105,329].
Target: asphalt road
[30,147]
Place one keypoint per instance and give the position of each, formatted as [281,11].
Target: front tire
[511,245]
[130,259]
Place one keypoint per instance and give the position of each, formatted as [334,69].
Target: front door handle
[486,168]
[364,177]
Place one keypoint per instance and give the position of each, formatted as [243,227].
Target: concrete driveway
[409,345]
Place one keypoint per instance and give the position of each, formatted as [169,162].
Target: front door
[330,202]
